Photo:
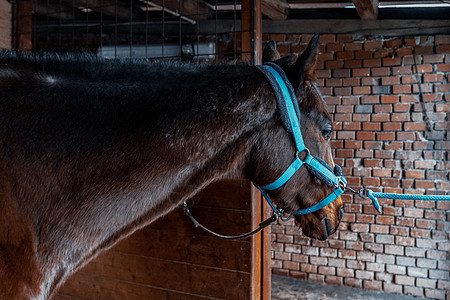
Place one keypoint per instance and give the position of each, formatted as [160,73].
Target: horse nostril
[341,212]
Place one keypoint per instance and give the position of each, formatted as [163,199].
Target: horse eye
[326,133]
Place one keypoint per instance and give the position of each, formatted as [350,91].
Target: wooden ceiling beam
[193,9]
[367,9]
[56,10]
[108,7]
[275,9]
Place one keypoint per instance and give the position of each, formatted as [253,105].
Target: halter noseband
[291,120]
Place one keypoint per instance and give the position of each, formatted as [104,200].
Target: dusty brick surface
[381,141]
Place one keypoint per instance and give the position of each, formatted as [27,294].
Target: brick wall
[382,142]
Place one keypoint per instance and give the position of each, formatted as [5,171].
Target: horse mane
[92,67]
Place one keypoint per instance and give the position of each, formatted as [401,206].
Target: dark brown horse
[92,150]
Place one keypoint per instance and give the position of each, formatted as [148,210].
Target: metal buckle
[341,183]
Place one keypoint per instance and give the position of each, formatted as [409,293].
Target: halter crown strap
[279,82]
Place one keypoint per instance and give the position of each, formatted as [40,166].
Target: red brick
[415,174]
[323,73]
[400,117]
[394,146]
[443,49]
[424,68]
[327,270]
[362,54]
[392,126]
[444,88]
[403,52]
[361,72]
[390,80]
[374,228]
[384,71]
[308,268]
[404,280]
[333,280]
[385,136]
[370,81]
[351,82]
[344,55]
[370,63]
[333,82]
[402,221]
[382,53]
[420,233]
[442,39]
[392,61]
[443,68]
[298,275]
[401,89]
[390,99]
[408,79]
[361,90]
[352,282]
[424,184]
[373,45]
[401,70]
[404,241]
[361,117]
[402,107]
[341,73]
[426,224]
[351,125]
[316,277]
[333,64]
[353,63]
[361,135]
[383,108]
[371,126]
[415,126]
[344,91]
[392,288]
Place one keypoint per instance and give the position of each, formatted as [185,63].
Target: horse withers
[92,150]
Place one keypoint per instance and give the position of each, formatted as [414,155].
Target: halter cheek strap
[290,113]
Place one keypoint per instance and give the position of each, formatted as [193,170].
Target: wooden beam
[275,9]
[367,9]
[5,24]
[58,10]
[193,9]
[345,26]
[108,7]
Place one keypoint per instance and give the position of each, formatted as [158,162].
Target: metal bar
[174,13]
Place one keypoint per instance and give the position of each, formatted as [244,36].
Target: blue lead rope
[369,194]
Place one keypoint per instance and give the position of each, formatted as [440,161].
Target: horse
[93,150]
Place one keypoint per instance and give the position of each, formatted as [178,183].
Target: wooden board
[171,259]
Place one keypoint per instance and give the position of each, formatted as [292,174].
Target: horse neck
[146,174]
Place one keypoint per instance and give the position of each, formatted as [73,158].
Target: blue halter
[291,120]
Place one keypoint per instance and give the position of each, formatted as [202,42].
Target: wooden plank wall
[170,259]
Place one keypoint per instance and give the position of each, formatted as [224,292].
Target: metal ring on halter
[283,218]
[341,183]
[297,154]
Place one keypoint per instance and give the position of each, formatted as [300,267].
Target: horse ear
[305,64]
[270,52]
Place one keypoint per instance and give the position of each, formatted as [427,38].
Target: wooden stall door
[171,259]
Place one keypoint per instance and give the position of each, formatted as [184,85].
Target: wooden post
[5,24]
[251,36]
[251,26]
[23,25]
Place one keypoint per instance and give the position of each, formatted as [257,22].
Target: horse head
[276,149]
